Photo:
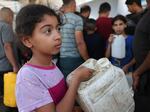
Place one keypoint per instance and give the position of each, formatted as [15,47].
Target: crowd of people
[72,37]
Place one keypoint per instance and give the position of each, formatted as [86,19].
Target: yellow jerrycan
[9,89]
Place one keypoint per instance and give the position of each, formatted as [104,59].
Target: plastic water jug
[9,89]
[118,47]
[106,91]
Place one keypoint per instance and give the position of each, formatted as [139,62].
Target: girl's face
[46,39]
[119,27]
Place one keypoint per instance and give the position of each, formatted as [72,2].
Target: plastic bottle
[118,47]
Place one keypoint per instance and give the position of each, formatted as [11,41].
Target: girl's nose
[57,35]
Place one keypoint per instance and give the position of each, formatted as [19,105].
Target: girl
[40,84]
[119,24]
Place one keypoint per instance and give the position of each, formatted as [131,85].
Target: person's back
[5,36]
[8,52]
[4,62]
[7,55]
[95,43]
[68,35]
[104,23]
[73,51]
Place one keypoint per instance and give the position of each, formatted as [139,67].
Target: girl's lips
[58,46]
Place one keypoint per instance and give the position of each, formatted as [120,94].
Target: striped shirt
[72,24]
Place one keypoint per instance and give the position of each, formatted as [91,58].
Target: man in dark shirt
[141,77]
[135,7]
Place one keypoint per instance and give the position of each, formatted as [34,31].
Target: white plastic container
[118,47]
[106,91]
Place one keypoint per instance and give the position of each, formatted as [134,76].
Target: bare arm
[144,66]
[108,51]
[81,45]
[10,55]
[66,104]
[141,69]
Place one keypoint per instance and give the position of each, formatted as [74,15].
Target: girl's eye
[58,28]
[48,31]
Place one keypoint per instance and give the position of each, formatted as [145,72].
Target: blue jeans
[67,65]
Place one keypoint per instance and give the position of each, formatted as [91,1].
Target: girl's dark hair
[119,17]
[29,16]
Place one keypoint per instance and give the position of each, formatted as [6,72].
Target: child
[95,43]
[119,24]
[40,85]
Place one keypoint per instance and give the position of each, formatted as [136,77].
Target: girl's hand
[82,74]
[111,38]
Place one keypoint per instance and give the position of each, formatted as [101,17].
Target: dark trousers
[67,65]
[142,95]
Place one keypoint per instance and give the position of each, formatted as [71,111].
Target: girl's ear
[27,42]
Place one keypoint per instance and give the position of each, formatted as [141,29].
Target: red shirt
[104,26]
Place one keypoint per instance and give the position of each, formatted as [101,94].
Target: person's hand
[111,38]
[77,109]
[125,69]
[136,79]
[15,69]
[82,74]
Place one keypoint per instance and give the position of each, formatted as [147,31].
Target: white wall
[122,7]
[117,7]
[15,6]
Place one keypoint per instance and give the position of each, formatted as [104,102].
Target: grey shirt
[73,23]
[6,35]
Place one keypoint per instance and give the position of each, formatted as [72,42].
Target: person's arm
[141,69]
[108,50]
[81,45]
[7,40]
[10,56]
[67,103]
[127,66]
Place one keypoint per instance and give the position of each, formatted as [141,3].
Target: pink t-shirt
[37,86]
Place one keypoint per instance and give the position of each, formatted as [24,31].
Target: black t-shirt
[141,45]
[95,45]
[132,21]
